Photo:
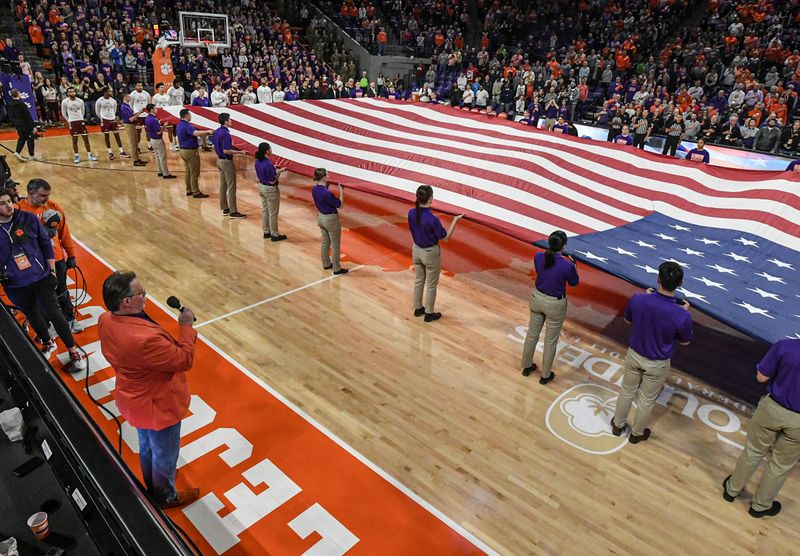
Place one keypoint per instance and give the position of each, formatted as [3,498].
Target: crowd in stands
[730,76]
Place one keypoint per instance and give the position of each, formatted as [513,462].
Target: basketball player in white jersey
[264,93]
[278,94]
[161,100]
[176,98]
[139,99]
[73,110]
[106,109]
[218,98]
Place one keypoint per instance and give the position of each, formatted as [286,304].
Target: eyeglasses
[143,293]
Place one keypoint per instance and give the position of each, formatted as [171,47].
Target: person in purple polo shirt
[129,119]
[659,320]
[187,143]
[548,303]
[154,131]
[624,138]
[270,194]
[328,220]
[774,430]
[699,153]
[426,232]
[203,101]
[223,145]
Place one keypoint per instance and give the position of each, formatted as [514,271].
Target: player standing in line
[139,101]
[73,111]
[106,108]
[177,96]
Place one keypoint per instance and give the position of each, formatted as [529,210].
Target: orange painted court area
[273,481]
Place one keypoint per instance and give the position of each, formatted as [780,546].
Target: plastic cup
[39,525]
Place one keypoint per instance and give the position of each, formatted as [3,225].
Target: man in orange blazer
[151,390]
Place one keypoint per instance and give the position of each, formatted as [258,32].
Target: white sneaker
[49,349]
[76,326]
[19,157]
[52,331]
[78,362]
[77,159]
[92,158]
[37,157]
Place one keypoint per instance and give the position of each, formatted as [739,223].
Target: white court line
[316,424]
[290,292]
[274,297]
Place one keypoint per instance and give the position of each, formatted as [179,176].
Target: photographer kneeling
[28,274]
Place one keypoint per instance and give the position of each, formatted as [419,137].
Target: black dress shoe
[341,271]
[139,163]
[544,380]
[330,266]
[615,430]
[226,212]
[725,494]
[238,215]
[419,312]
[774,510]
[169,177]
[160,175]
[279,237]
[528,370]
[189,193]
[633,439]
[430,317]
[200,196]
[267,235]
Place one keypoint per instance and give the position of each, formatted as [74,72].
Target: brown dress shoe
[185,496]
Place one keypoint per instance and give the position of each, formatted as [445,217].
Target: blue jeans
[158,456]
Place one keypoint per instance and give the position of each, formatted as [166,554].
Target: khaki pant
[646,378]
[428,264]
[772,426]
[545,309]
[161,156]
[270,205]
[130,131]
[331,236]
[227,184]
[191,167]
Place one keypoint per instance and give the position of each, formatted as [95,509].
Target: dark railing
[117,515]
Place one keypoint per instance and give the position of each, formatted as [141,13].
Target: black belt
[188,148]
[328,213]
[780,404]
[562,296]
[269,184]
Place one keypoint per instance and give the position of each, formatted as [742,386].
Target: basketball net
[212,48]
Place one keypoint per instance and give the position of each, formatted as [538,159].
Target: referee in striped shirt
[674,131]
[642,128]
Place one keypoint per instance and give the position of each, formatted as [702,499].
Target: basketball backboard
[205,30]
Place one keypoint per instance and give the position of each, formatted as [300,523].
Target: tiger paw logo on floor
[581,417]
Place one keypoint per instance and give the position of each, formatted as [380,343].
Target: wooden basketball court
[442,407]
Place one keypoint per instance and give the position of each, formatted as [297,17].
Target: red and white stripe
[522,181]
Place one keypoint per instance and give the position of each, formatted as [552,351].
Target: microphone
[175,303]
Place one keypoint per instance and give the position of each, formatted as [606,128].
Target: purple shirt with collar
[186,137]
[658,322]
[153,127]
[265,172]
[222,142]
[201,101]
[429,230]
[326,201]
[553,280]
[782,365]
[125,113]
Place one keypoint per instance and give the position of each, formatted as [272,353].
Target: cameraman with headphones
[54,220]
[28,275]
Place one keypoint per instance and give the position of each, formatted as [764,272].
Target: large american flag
[522,181]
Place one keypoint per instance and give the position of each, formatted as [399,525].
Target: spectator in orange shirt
[383,38]
[37,38]
[55,222]
[439,39]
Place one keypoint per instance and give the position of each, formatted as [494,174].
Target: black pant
[64,302]
[29,299]
[25,136]
[671,145]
